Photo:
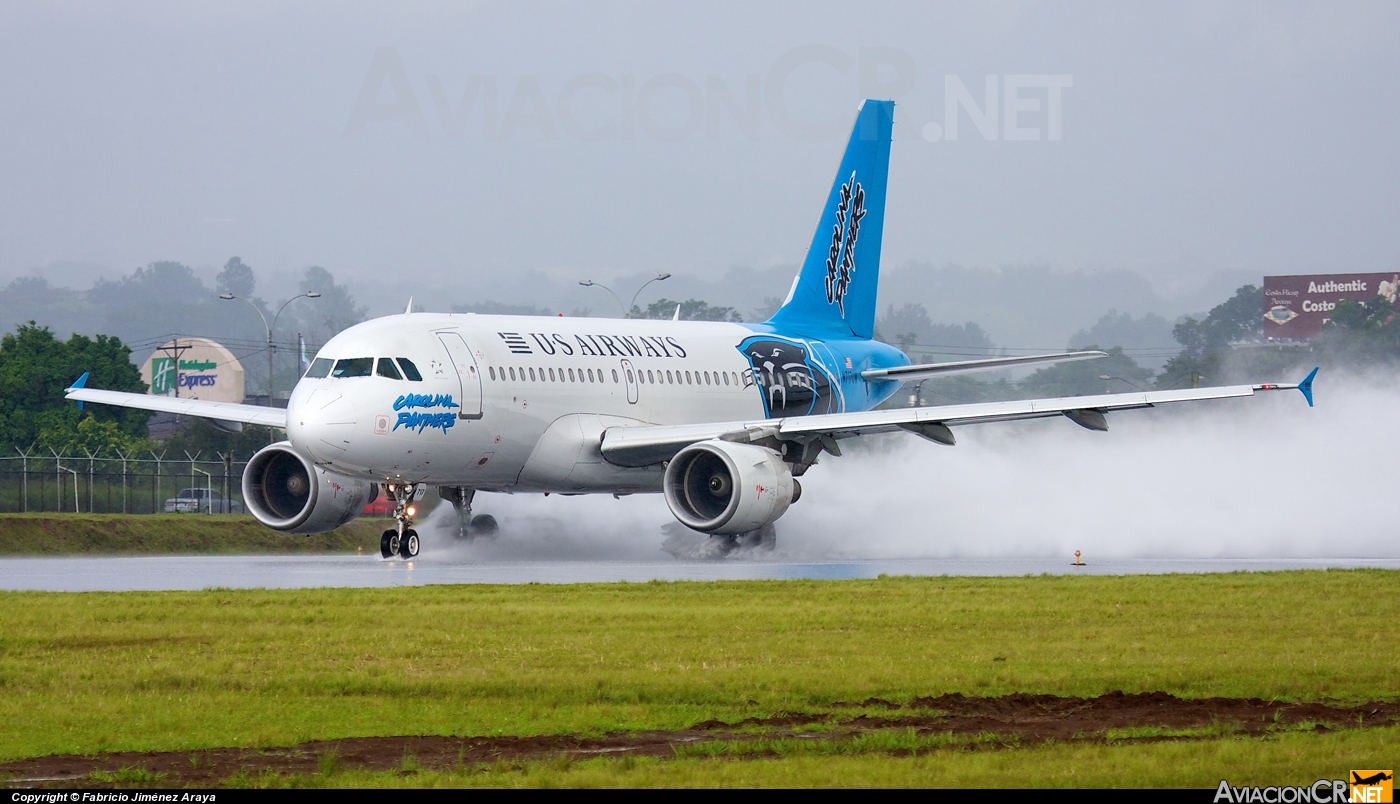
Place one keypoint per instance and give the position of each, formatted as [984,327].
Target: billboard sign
[1296,307]
[194,368]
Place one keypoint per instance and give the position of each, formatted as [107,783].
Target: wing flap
[929,370]
[201,408]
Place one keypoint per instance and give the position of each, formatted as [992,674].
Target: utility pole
[174,350]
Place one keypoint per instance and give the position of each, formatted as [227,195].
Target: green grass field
[167,534]
[99,672]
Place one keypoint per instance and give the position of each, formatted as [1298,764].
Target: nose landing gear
[402,540]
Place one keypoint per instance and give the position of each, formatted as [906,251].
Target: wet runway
[69,574]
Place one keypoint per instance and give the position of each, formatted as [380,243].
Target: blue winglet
[81,381]
[1306,386]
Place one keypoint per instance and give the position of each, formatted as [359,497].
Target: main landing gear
[468,526]
[765,538]
[402,540]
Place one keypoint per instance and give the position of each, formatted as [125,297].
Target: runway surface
[82,574]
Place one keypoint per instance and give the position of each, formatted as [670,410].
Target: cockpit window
[386,369]
[353,367]
[320,368]
[409,370]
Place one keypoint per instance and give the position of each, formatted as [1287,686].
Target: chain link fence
[152,484]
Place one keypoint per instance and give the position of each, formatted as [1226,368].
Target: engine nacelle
[286,492]
[724,487]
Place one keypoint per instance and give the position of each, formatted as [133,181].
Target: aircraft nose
[324,424]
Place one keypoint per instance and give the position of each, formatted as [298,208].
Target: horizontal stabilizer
[929,370]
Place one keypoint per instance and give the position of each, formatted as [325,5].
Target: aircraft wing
[218,411]
[644,445]
[928,370]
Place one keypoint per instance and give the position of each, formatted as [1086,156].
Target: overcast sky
[451,145]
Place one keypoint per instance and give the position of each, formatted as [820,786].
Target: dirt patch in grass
[1013,719]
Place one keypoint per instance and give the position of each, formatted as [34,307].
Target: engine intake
[286,492]
[724,487]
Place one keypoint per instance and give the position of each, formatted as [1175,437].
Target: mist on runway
[1265,477]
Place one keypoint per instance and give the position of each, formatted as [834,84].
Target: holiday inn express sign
[194,368]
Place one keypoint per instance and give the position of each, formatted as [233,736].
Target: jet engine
[724,487]
[286,492]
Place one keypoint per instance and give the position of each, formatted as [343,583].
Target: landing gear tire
[483,525]
[408,544]
[389,543]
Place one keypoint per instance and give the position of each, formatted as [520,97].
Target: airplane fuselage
[520,402]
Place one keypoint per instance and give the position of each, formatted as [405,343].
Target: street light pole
[626,311]
[656,278]
[589,283]
[270,347]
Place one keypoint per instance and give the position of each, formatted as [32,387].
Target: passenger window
[320,368]
[492,370]
[386,369]
[614,371]
[512,372]
[726,378]
[409,370]
[353,367]
[571,376]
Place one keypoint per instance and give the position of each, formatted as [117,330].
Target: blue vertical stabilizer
[834,295]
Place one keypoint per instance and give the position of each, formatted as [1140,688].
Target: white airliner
[719,417]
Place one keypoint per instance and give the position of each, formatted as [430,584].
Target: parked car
[201,501]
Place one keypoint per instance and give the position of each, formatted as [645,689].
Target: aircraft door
[629,376]
[467,374]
